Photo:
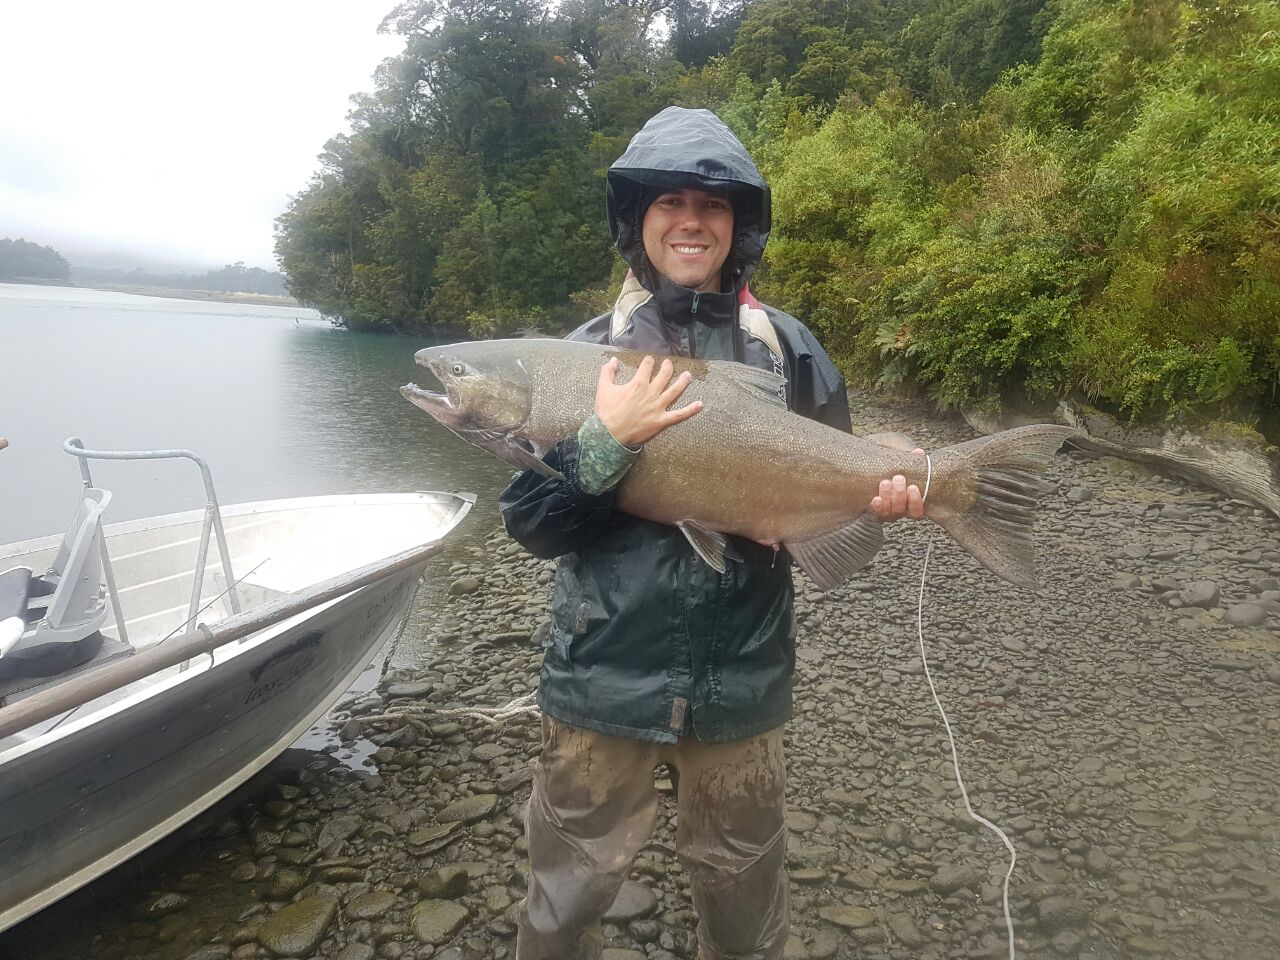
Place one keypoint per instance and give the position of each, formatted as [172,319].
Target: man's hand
[896,499]
[636,411]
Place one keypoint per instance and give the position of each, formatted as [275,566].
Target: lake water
[277,401]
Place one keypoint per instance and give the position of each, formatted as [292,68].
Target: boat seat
[65,606]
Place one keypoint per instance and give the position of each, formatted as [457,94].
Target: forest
[24,260]
[997,202]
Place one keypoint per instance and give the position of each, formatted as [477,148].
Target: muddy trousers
[594,806]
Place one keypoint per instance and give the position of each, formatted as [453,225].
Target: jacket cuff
[602,460]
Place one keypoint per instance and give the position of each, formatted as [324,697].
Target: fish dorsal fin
[832,558]
[764,384]
[707,543]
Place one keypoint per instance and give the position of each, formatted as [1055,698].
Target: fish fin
[759,383]
[999,476]
[709,544]
[832,558]
[513,450]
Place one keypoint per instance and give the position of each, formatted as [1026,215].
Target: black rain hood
[688,149]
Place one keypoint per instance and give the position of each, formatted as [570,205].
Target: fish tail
[986,496]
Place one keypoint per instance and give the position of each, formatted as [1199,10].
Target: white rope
[528,704]
[955,754]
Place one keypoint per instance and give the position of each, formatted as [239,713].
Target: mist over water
[277,401]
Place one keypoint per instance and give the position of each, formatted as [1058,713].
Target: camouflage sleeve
[602,460]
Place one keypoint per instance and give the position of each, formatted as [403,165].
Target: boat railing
[212,525]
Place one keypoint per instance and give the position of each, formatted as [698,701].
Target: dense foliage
[24,260]
[996,200]
[233,278]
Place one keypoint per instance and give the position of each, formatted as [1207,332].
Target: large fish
[745,465]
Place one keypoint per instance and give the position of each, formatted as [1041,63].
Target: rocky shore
[1122,726]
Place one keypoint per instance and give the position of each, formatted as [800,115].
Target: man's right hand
[636,411]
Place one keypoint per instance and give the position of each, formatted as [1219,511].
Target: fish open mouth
[441,404]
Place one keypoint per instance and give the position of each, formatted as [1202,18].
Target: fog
[172,132]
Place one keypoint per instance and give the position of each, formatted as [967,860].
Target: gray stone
[1062,913]
[634,900]
[295,930]
[355,951]
[338,828]
[953,877]
[161,905]
[435,921]
[447,883]
[283,885]
[1246,615]
[370,906]
[513,781]
[847,917]
[212,951]
[905,931]
[431,839]
[469,809]
[1080,494]
[1200,593]
[464,586]
[414,689]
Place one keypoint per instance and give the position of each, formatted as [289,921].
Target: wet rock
[339,828]
[161,905]
[446,883]
[953,877]
[212,951]
[1246,615]
[283,885]
[431,839]
[513,781]
[295,930]
[847,917]
[634,900]
[355,951]
[469,809]
[370,906]
[905,931]
[621,953]
[413,689]
[435,921]
[353,729]
[1062,913]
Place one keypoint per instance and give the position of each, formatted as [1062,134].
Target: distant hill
[23,260]
[233,278]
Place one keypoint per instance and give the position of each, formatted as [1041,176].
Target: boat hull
[77,806]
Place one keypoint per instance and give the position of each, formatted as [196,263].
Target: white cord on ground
[955,754]
[528,704]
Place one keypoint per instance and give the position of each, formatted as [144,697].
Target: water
[277,401]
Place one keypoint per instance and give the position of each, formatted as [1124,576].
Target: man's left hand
[897,499]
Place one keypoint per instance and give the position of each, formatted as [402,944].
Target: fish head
[486,389]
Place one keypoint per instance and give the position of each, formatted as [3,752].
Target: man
[653,657]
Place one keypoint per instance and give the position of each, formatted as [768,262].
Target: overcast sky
[170,129]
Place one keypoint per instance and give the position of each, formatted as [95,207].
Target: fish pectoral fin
[709,544]
[518,452]
[832,558]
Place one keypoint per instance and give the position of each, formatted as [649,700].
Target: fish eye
[458,369]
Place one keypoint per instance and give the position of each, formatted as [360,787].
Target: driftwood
[1229,457]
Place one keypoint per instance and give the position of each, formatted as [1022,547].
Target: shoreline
[1121,728]
[214,296]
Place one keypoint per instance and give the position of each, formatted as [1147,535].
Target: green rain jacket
[646,640]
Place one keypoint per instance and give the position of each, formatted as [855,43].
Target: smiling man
[653,657]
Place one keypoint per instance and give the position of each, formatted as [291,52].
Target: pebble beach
[1122,725]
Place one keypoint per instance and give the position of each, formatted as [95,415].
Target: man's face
[687,236]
